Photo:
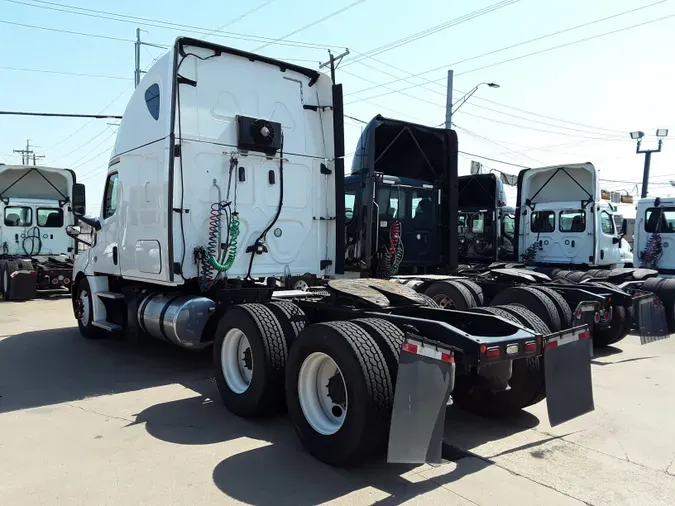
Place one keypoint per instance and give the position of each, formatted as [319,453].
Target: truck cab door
[104,255]
[609,244]
[420,230]
[353,225]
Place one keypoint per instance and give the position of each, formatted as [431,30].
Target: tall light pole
[450,107]
[661,133]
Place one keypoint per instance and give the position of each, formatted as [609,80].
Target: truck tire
[561,305]
[551,272]
[578,276]
[389,339]
[84,311]
[250,351]
[598,273]
[617,329]
[350,431]
[475,289]
[292,319]
[665,290]
[3,265]
[536,301]
[526,318]
[7,280]
[450,294]
[428,301]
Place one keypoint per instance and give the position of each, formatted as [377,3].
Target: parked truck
[36,254]
[400,225]
[227,177]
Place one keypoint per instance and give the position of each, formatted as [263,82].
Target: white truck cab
[654,238]
[562,219]
[36,253]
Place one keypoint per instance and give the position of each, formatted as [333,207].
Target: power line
[75,165]
[586,39]
[252,10]
[71,32]
[495,143]
[529,41]
[58,115]
[577,41]
[539,129]
[494,160]
[310,25]
[434,29]
[62,73]
[136,20]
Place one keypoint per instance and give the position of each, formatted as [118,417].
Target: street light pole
[448,102]
[660,133]
[451,108]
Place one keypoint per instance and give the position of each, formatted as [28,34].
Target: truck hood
[558,183]
[30,182]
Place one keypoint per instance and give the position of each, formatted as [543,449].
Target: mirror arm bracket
[91,222]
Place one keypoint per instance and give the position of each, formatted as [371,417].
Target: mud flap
[651,318]
[426,376]
[567,372]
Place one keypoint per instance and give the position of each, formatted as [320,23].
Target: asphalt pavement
[110,422]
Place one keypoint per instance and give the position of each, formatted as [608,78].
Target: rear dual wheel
[336,378]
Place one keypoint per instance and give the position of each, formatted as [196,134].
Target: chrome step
[109,295]
[106,326]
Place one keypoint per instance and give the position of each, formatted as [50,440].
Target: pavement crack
[94,412]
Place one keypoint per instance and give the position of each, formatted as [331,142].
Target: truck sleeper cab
[227,178]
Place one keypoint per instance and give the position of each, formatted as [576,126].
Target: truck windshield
[18,216]
[660,220]
[572,220]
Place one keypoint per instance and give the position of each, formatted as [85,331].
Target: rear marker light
[66,281]
[596,317]
[579,314]
[585,335]
[55,281]
[447,357]
[429,351]
[511,349]
[492,352]
[409,347]
[552,344]
[530,347]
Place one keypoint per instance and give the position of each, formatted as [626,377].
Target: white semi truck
[227,176]
[36,254]
[562,221]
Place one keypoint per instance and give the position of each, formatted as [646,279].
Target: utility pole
[27,153]
[334,62]
[448,102]
[137,56]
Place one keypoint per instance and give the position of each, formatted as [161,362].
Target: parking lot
[109,422]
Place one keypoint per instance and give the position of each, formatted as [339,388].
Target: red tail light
[492,352]
[530,347]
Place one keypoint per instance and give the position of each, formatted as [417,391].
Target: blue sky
[602,88]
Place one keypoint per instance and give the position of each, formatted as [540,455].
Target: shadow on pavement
[280,471]
[52,366]
[607,351]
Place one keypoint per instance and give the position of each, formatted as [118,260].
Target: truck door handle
[573,243]
[115,255]
[540,243]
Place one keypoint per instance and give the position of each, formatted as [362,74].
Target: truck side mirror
[79,199]
[624,227]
